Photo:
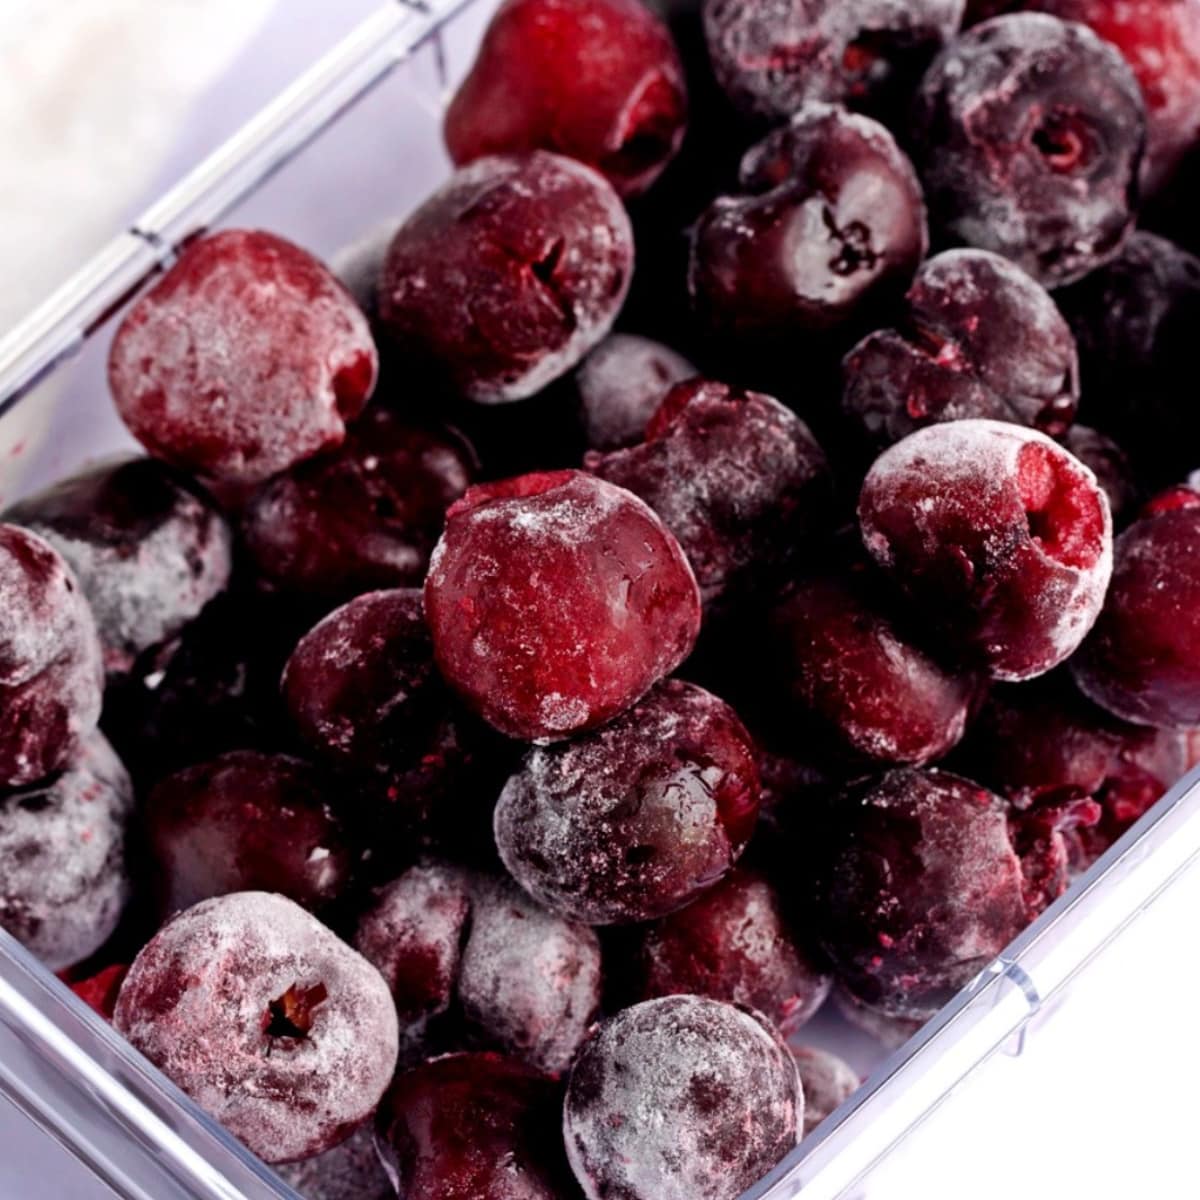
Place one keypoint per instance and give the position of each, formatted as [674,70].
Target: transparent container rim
[66,1069]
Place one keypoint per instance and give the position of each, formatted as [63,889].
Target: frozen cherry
[1160,40]
[517,978]
[597,80]
[245,358]
[1142,661]
[831,228]
[246,822]
[846,674]
[621,384]
[722,1088]
[508,275]
[556,600]
[266,1019]
[636,819]
[1030,133]
[349,1171]
[473,1125]
[99,991]
[1111,466]
[148,548]
[918,888]
[733,943]
[773,57]
[826,1081]
[62,856]
[365,516]
[738,478]
[1135,321]
[51,673]
[978,338]
[1043,743]
[1000,538]
[891,1032]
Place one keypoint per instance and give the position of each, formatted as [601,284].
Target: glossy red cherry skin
[597,80]
[245,358]
[555,601]
[637,818]
[473,1125]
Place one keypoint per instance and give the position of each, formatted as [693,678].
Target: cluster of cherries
[411,726]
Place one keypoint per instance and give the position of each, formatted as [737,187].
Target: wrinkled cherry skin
[831,229]
[918,887]
[773,57]
[51,669]
[1029,135]
[266,1019]
[473,1125]
[555,601]
[734,944]
[999,538]
[147,546]
[635,819]
[844,674]
[1160,40]
[1135,321]
[365,516]
[507,275]
[721,1085]
[246,357]
[246,822]
[738,478]
[597,80]
[621,384]
[1045,744]
[1142,660]
[978,338]
[470,959]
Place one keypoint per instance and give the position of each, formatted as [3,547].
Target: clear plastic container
[354,143]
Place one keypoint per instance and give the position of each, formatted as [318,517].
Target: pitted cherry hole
[1065,513]
[1065,140]
[290,1017]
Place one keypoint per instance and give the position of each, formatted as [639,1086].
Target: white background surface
[102,101]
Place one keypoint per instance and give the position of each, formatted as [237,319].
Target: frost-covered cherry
[349,1171]
[734,943]
[266,1019]
[1000,539]
[1142,660]
[508,275]
[364,516]
[147,546]
[65,876]
[738,478]
[826,1079]
[891,1032]
[721,1085]
[51,669]
[977,338]
[621,384]
[633,820]
[773,57]
[918,887]
[473,1126]
[556,600]
[1028,135]
[246,821]
[245,358]
[597,80]
[842,670]
[513,976]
